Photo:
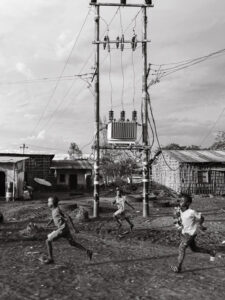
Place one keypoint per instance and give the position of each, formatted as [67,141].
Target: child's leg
[55,235]
[49,249]
[198,249]
[182,250]
[117,218]
[185,239]
[129,222]
[73,243]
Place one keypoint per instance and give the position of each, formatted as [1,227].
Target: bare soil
[134,267]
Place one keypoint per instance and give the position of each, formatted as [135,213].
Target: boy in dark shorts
[120,202]
[62,231]
[189,221]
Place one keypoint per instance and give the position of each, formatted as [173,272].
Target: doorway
[2,184]
[73,181]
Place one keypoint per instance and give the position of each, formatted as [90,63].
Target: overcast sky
[37,36]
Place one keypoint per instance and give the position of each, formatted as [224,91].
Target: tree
[116,165]
[74,151]
[219,143]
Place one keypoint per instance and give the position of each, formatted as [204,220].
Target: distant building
[36,165]
[72,174]
[12,171]
[191,171]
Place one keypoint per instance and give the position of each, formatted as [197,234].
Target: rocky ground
[134,267]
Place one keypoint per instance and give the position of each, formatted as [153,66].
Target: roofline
[26,154]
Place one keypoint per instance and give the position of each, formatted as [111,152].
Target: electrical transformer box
[122,132]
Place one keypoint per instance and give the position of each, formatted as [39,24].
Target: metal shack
[36,165]
[191,171]
[72,174]
[12,170]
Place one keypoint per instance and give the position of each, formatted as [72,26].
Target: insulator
[122,115]
[93,1]
[117,42]
[124,2]
[108,43]
[148,2]
[134,115]
[122,42]
[134,42]
[105,42]
[111,115]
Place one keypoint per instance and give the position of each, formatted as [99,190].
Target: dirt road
[136,267]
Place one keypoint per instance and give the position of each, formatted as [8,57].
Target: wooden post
[97,118]
[145,121]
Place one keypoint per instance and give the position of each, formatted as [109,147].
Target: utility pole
[97,112]
[145,169]
[97,42]
[23,147]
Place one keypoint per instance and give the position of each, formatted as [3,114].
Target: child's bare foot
[90,254]
[175,269]
[131,227]
[48,261]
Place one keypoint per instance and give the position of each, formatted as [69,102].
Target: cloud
[24,70]
[41,135]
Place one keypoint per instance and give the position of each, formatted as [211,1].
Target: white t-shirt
[120,202]
[190,220]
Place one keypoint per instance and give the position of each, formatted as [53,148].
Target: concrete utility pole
[24,147]
[145,169]
[97,112]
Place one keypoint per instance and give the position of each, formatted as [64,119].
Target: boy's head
[118,192]
[53,202]
[185,201]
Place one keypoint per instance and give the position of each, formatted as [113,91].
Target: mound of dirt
[32,230]
[80,214]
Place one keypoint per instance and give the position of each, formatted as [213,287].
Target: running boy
[62,231]
[120,214]
[190,220]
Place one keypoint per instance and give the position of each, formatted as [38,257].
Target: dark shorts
[59,233]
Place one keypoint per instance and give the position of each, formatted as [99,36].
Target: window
[62,178]
[203,177]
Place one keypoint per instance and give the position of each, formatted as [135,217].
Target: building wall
[14,173]
[162,174]
[38,165]
[201,178]
[81,178]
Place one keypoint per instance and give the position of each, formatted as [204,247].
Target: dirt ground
[134,267]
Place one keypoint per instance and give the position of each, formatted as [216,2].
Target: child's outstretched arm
[49,223]
[201,224]
[129,205]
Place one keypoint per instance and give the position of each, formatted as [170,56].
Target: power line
[45,79]
[81,70]
[63,69]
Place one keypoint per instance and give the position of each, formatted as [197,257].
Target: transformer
[122,132]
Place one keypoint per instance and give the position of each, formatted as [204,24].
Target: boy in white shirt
[190,221]
[120,202]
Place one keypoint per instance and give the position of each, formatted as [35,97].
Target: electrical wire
[157,137]
[134,19]
[61,73]
[121,62]
[134,79]
[110,80]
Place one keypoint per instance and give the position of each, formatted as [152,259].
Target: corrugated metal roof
[11,159]
[78,164]
[197,156]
